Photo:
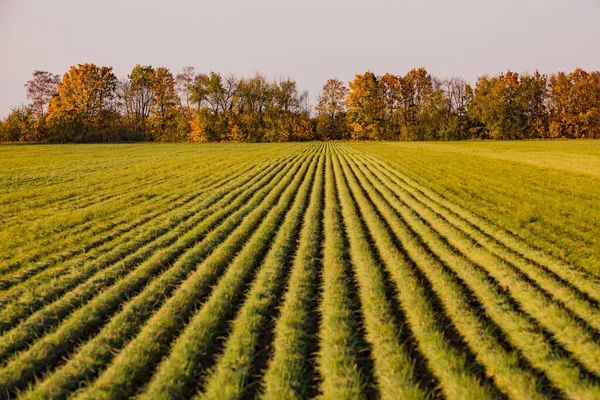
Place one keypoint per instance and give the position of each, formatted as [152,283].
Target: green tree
[533,98]
[212,97]
[19,126]
[392,98]
[183,84]
[510,106]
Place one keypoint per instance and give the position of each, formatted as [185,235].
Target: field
[340,270]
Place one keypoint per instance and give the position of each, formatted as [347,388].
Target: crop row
[322,271]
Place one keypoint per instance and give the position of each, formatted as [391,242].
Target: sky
[310,41]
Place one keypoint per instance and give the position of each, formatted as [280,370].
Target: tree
[211,96]
[511,106]
[137,96]
[89,105]
[84,108]
[288,117]
[40,91]
[420,106]
[533,98]
[574,104]
[365,107]
[457,95]
[392,100]
[19,125]
[163,107]
[183,84]
[254,97]
[331,110]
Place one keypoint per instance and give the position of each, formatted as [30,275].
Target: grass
[287,271]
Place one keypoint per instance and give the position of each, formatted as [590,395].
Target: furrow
[289,369]
[522,333]
[571,332]
[161,233]
[179,374]
[136,362]
[340,361]
[214,182]
[222,164]
[87,320]
[393,366]
[52,314]
[98,352]
[105,243]
[235,374]
[583,281]
[448,362]
[417,269]
[568,295]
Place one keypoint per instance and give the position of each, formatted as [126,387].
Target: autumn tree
[331,111]
[84,108]
[90,105]
[211,100]
[365,107]
[163,106]
[253,99]
[533,98]
[511,106]
[392,104]
[19,126]
[574,104]
[288,113]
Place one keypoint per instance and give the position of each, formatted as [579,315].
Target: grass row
[520,331]
[136,362]
[427,280]
[341,353]
[448,362]
[234,374]
[392,362]
[190,248]
[51,315]
[36,240]
[133,237]
[95,355]
[195,348]
[499,240]
[574,334]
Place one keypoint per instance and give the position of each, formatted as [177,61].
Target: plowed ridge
[318,271]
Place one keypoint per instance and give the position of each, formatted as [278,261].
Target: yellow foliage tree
[84,108]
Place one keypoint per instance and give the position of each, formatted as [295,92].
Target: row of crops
[285,272]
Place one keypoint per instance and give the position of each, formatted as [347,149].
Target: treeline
[89,104]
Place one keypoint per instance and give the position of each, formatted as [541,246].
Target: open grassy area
[546,192]
[340,270]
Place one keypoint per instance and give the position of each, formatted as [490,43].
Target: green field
[340,270]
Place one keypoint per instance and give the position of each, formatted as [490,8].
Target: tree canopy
[89,104]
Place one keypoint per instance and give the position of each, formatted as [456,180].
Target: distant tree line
[89,104]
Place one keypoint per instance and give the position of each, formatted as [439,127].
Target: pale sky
[309,41]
